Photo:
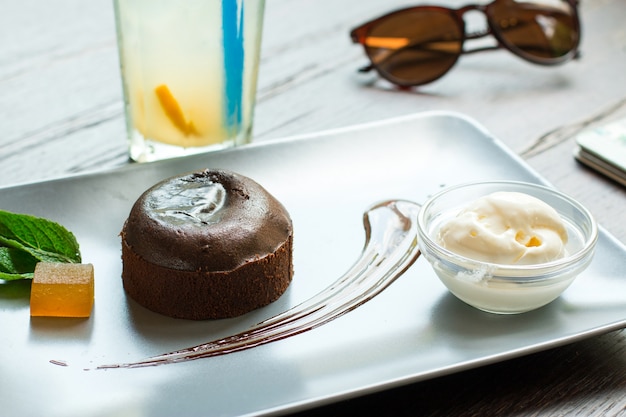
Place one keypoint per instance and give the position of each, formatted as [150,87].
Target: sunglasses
[418,45]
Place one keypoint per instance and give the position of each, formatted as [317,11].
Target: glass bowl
[502,288]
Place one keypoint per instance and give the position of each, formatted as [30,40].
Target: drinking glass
[189,73]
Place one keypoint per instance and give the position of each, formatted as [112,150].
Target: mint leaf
[16,264]
[26,239]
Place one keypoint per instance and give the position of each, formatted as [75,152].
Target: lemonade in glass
[189,71]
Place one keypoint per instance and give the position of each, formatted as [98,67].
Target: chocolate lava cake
[206,245]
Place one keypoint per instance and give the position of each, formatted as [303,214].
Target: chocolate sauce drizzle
[390,249]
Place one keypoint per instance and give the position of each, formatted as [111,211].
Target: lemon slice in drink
[173,111]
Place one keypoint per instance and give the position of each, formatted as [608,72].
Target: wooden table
[61,114]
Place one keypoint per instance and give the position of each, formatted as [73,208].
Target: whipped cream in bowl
[506,247]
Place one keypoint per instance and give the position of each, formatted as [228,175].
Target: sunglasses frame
[360,33]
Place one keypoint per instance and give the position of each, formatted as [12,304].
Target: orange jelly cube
[62,290]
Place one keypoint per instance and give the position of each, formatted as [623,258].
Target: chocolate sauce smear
[390,249]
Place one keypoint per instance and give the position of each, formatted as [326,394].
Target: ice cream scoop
[506,247]
[506,228]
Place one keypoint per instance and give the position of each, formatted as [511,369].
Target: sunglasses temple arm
[481,49]
[370,67]
[366,68]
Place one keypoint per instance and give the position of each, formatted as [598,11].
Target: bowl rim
[545,268]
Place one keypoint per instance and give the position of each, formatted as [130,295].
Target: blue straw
[232,26]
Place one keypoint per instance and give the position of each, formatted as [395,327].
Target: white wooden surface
[61,114]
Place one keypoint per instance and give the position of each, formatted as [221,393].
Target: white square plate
[413,331]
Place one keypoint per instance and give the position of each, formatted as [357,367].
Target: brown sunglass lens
[414,47]
[536,29]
